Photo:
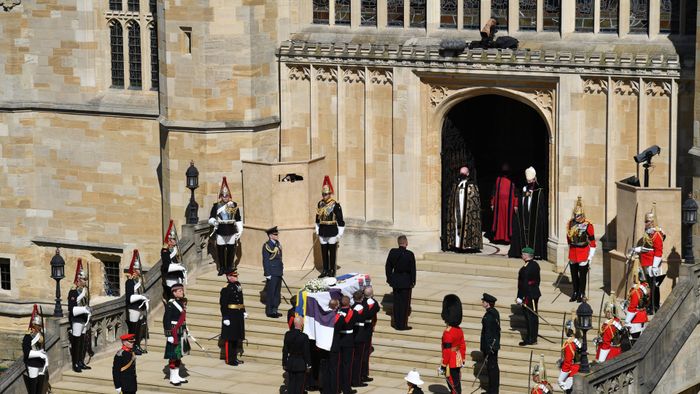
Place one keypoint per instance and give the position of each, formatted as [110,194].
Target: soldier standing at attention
[296,357]
[233,317]
[401,276]
[225,216]
[330,227]
[124,366]
[529,295]
[273,269]
[491,341]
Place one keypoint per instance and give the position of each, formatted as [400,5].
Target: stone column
[379,145]
[381,14]
[485,12]
[654,17]
[351,142]
[513,20]
[568,17]
[656,119]
[324,118]
[295,138]
[624,18]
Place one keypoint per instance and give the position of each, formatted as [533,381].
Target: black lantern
[584,315]
[58,266]
[689,218]
[192,175]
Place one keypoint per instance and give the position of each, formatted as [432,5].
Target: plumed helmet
[135,262]
[327,185]
[452,310]
[530,174]
[79,272]
[35,320]
[171,233]
[578,209]
[651,215]
[539,369]
[224,191]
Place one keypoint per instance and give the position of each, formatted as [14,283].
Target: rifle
[529,368]
[43,347]
[563,327]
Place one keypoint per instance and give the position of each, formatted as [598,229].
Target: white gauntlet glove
[637,250]
[213,222]
[227,322]
[245,315]
[171,339]
[519,301]
[316,228]
[341,231]
[119,389]
[80,310]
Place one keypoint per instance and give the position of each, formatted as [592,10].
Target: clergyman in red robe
[503,204]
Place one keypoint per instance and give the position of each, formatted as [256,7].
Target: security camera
[647,154]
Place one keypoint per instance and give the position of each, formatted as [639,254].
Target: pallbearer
[35,358]
[136,302]
[225,216]
[330,227]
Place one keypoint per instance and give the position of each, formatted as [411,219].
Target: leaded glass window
[551,15]
[609,15]
[342,12]
[528,14]
[394,13]
[321,11]
[584,16]
[499,10]
[691,16]
[115,5]
[639,16]
[134,56]
[368,13]
[472,14]
[668,17]
[448,13]
[152,6]
[116,45]
[154,57]
[417,13]
[133,5]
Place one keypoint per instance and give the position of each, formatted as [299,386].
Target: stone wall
[684,372]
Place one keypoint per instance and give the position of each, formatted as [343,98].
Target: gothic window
[5,278]
[154,56]
[528,14]
[115,5]
[368,13]
[116,41]
[448,13]
[417,13]
[111,278]
[499,10]
[472,14]
[394,13]
[609,15]
[320,11]
[668,18]
[551,15]
[133,5]
[342,12]
[152,6]
[691,17]
[639,16]
[134,56]
[584,16]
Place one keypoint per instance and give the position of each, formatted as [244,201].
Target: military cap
[272,230]
[128,337]
[488,298]
[528,250]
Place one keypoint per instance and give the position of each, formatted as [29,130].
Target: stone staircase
[396,352]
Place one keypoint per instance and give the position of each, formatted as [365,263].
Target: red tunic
[453,347]
[542,388]
[504,203]
[657,249]
[636,295]
[580,246]
[568,364]
[608,331]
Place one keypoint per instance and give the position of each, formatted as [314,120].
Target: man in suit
[296,357]
[273,269]
[529,294]
[401,276]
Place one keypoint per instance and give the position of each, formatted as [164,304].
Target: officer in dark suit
[124,366]
[273,270]
[491,341]
[296,357]
[529,294]
[233,317]
[401,276]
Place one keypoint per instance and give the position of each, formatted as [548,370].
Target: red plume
[35,312]
[135,262]
[327,184]
[78,270]
[224,190]
[167,233]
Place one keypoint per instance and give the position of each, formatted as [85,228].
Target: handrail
[641,368]
[107,318]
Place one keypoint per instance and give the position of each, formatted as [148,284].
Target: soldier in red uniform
[610,340]
[539,377]
[650,256]
[453,347]
[637,303]
[581,239]
[570,357]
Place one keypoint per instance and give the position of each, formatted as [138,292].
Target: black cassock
[530,224]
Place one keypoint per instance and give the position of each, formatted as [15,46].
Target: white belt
[173,322]
[346,332]
[360,324]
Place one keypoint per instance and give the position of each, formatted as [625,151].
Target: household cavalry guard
[175,327]
[570,356]
[330,227]
[225,216]
[79,314]
[539,377]
[581,239]
[453,346]
[650,256]
[637,302]
[172,269]
[35,358]
[136,303]
[609,343]
[233,317]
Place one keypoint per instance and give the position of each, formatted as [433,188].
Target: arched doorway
[484,132]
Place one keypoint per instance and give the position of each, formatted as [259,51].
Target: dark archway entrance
[484,132]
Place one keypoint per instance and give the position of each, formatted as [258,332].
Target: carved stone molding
[381,76]
[616,384]
[438,94]
[7,5]
[327,74]
[626,87]
[544,100]
[657,88]
[299,72]
[595,85]
[354,75]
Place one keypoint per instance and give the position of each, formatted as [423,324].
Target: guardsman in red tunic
[539,377]
[650,256]
[610,340]
[570,358]
[581,239]
[637,302]
[453,346]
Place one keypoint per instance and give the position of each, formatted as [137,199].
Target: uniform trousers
[531,321]
[454,381]
[357,361]
[272,297]
[493,373]
[402,305]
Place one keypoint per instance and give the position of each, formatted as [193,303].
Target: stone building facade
[103,104]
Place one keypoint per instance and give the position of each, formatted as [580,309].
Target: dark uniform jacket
[401,268]
[368,317]
[171,317]
[490,331]
[344,329]
[130,290]
[329,216]
[232,308]
[124,370]
[27,347]
[166,261]
[296,353]
[225,229]
[272,258]
[73,302]
[529,282]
